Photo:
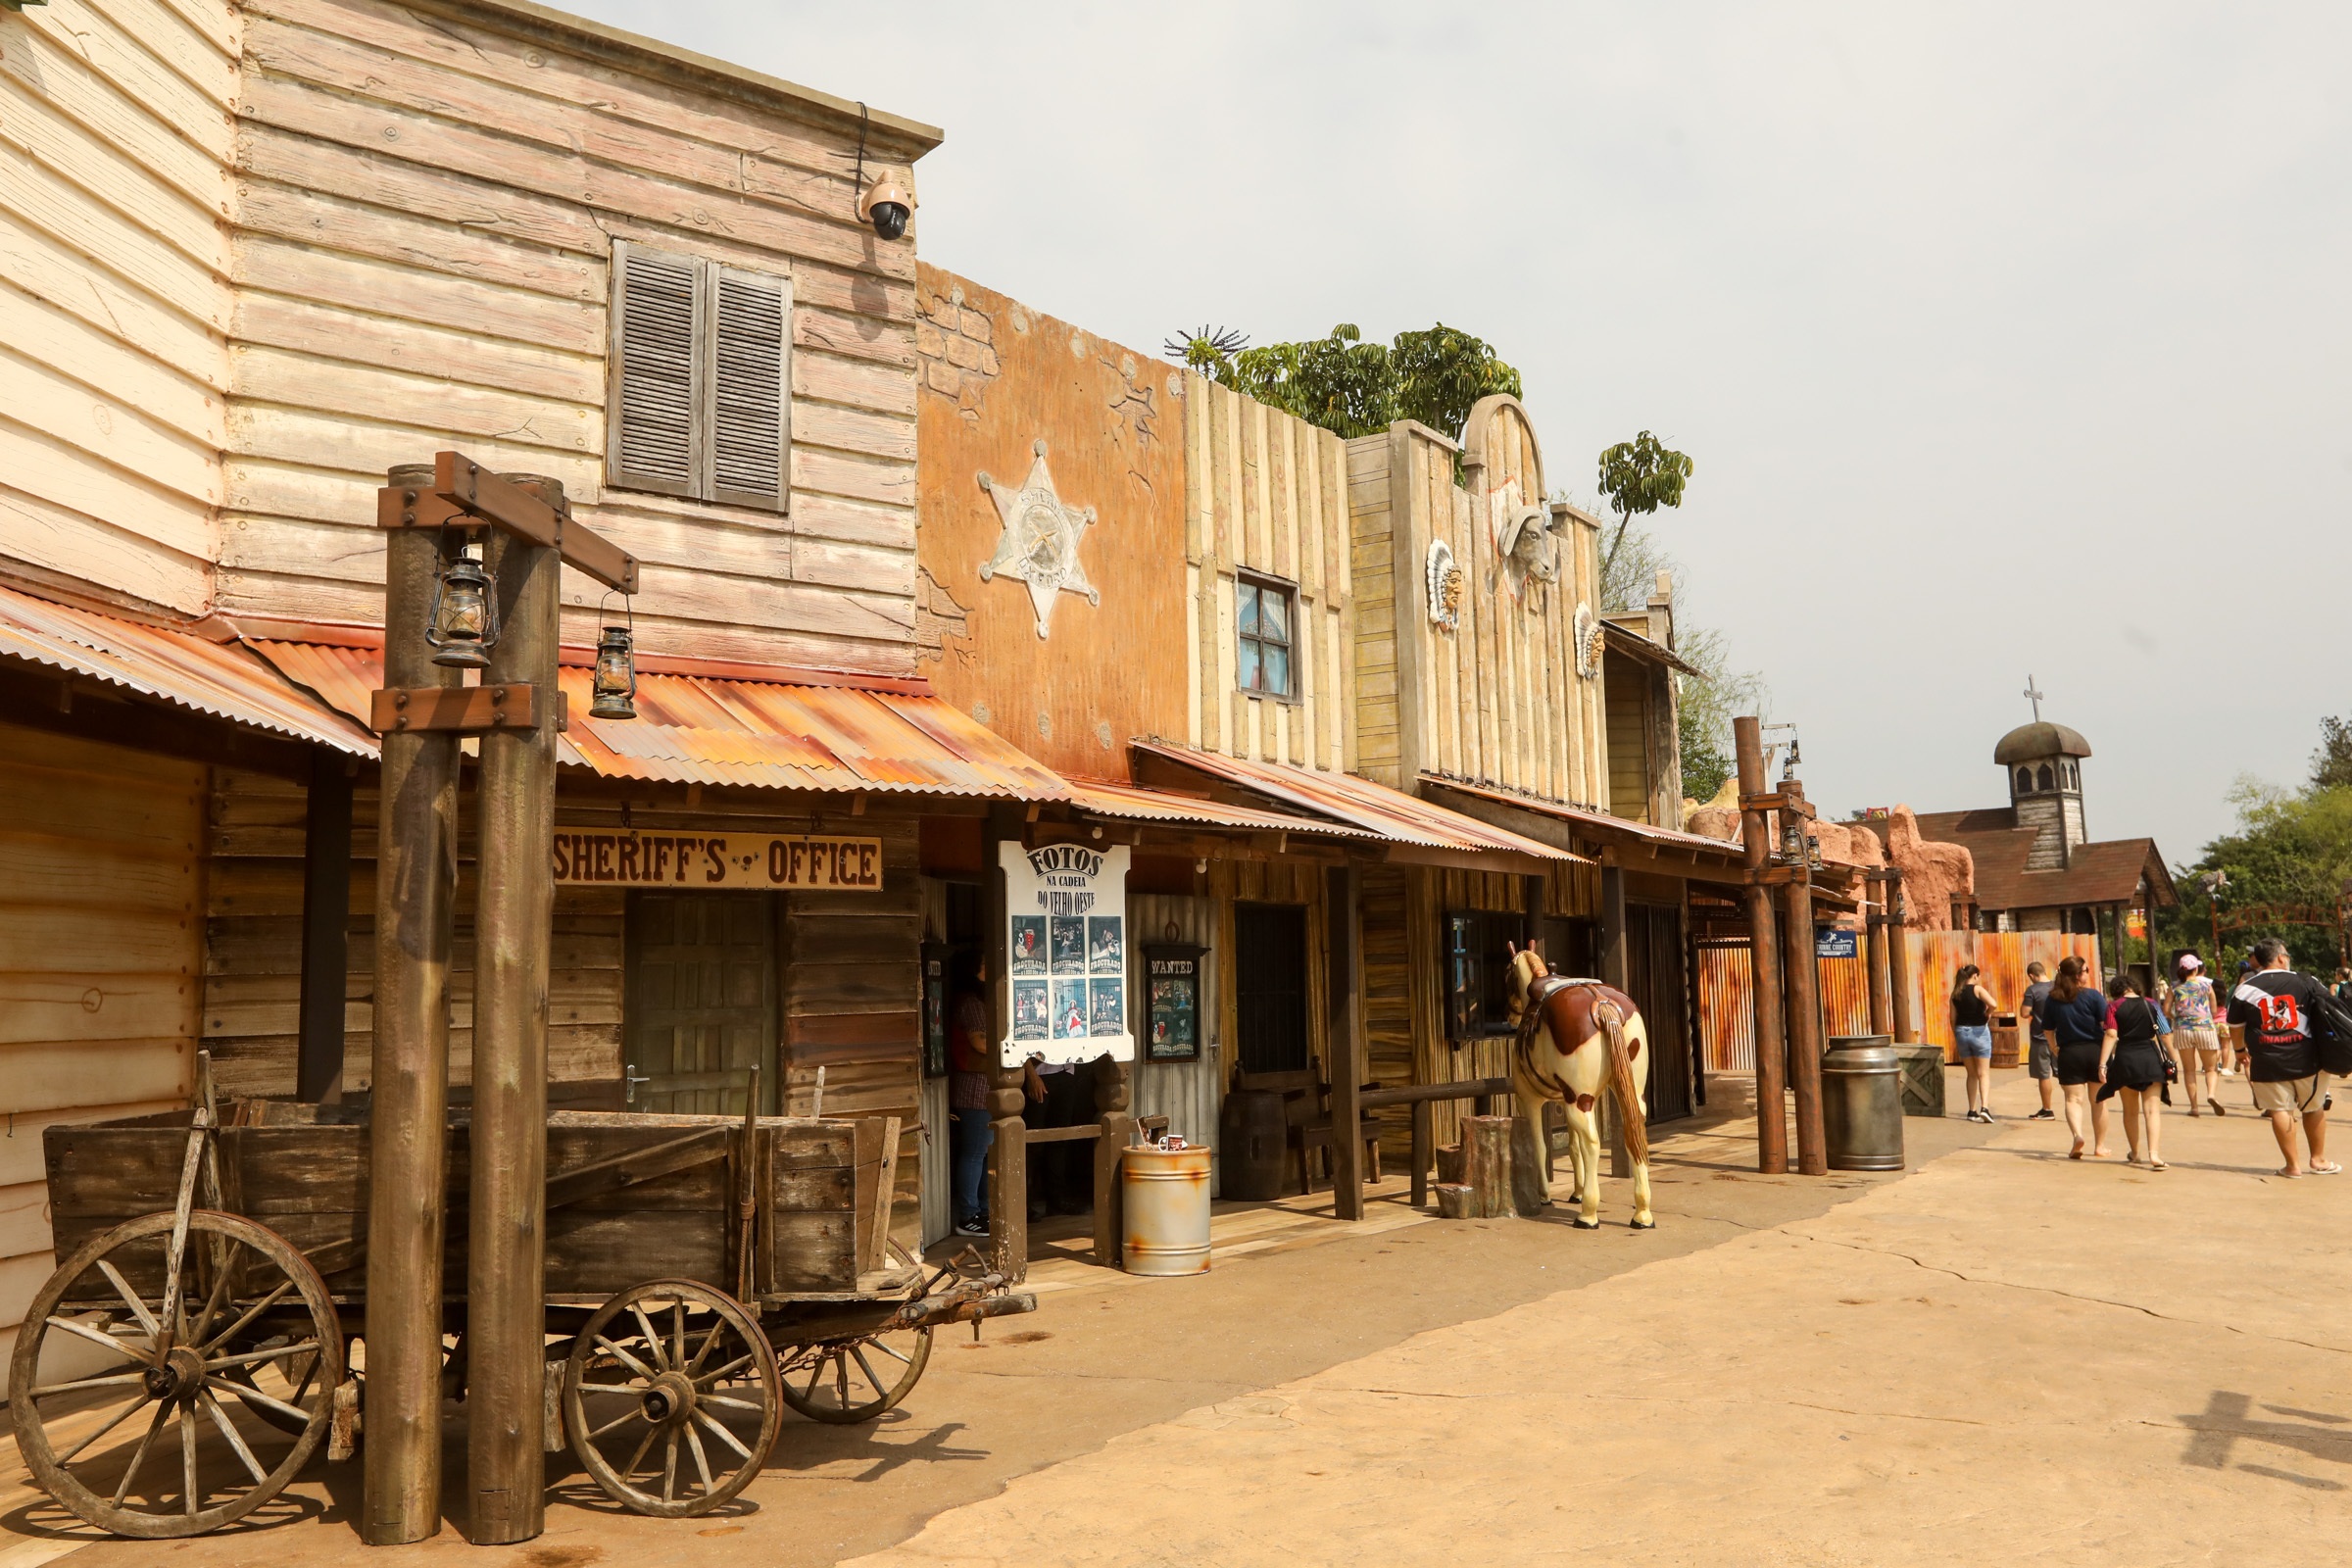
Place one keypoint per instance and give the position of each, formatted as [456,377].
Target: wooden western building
[255,257]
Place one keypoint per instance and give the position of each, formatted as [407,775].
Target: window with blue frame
[1265,612]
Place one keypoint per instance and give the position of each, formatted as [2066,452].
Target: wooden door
[1653,961]
[1269,972]
[700,1006]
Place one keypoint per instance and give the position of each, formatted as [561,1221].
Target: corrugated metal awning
[223,679]
[702,729]
[1598,823]
[1377,809]
[1130,804]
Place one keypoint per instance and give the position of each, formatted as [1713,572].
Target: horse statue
[1575,1037]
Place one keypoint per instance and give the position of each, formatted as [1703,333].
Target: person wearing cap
[2280,1011]
[2196,1038]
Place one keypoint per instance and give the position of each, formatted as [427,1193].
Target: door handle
[630,1078]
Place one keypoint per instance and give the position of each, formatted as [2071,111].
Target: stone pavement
[2005,1358]
[1996,1355]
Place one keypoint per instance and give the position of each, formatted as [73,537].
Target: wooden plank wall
[1626,699]
[1283,881]
[1494,699]
[426,203]
[101,880]
[252,950]
[1267,493]
[116,140]
[1187,1093]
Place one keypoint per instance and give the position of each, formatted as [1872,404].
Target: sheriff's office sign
[603,856]
[1066,951]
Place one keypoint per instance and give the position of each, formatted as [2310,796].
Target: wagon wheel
[677,1378]
[246,1317]
[298,1367]
[844,1381]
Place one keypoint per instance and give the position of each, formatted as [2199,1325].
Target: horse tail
[1620,1079]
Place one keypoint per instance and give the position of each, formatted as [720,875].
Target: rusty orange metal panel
[1726,1007]
[1154,806]
[221,678]
[1375,808]
[1843,987]
[700,729]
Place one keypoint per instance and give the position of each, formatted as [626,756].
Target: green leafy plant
[1352,387]
[1638,476]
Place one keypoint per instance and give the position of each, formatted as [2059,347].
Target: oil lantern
[464,620]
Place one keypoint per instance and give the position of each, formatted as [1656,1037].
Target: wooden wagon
[196,1345]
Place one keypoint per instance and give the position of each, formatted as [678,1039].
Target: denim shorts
[1976,1039]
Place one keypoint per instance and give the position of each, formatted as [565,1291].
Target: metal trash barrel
[1164,1196]
[1252,1131]
[1862,1103]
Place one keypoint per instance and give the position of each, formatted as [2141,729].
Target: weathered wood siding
[1267,493]
[252,950]
[101,885]
[1187,1093]
[116,143]
[1495,697]
[427,201]
[1000,378]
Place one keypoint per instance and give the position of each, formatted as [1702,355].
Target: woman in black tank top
[1972,1030]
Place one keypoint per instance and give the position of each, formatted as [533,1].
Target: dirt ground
[1965,1362]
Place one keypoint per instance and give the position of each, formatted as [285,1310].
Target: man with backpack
[2297,1038]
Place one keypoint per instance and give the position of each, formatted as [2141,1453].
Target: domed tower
[2046,788]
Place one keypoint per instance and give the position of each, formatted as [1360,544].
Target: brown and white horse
[1577,1037]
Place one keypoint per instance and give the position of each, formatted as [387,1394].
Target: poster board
[1067,952]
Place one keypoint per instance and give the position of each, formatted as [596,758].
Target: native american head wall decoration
[1446,585]
[1040,541]
[1587,642]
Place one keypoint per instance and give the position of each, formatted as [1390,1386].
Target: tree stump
[1449,1165]
[1454,1200]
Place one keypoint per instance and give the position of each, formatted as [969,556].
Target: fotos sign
[607,856]
[1066,951]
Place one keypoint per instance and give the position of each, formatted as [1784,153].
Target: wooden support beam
[1009,1155]
[325,925]
[1343,924]
[1800,967]
[1115,1130]
[408,1136]
[533,517]
[506,1314]
[509,705]
[1764,957]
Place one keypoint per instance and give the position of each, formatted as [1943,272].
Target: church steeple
[2043,762]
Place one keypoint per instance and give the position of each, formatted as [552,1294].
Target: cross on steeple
[2035,696]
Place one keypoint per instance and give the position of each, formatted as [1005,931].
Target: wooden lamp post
[433,629]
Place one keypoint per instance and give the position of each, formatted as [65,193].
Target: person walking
[971,1130]
[1972,1007]
[2135,1042]
[2040,1063]
[2196,1038]
[2280,1009]
[2075,1016]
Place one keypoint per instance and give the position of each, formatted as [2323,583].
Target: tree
[2332,764]
[1352,387]
[2291,847]
[1638,476]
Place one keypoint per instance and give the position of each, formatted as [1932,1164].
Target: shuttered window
[702,376]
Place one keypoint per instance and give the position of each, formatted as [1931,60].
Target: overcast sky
[2007,339]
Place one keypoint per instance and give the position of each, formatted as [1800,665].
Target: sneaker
[972,1227]
[2044,1114]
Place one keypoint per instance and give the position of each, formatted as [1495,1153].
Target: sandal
[2158,1165]
[2217,1108]
[2290,1175]
[2326,1168]
[2077,1149]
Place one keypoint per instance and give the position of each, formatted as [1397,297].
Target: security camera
[887,205]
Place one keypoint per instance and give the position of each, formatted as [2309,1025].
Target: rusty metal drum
[1164,1195]
[1255,1139]
[1862,1103]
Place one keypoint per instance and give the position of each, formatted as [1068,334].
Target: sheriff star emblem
[1039,542]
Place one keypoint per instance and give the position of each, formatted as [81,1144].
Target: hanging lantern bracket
[467,495]
[472,708]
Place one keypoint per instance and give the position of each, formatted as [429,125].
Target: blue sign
[1829,942]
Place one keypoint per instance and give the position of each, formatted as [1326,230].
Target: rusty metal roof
[1598,822]
[221,678]
[1127,802]
[700,729]
[1376,808]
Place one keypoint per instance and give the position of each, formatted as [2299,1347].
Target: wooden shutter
[751,345]
[656,364]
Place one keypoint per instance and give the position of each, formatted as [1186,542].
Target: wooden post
[1118,1131]
[1800,967]
[1425,1138]
[1487,1165]
[1878,932]
[506,1315]
[416,890]
[1764,957]
[1616,972]
[1347,1067]
[1009,1149]
[1899,961]
[325,926]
